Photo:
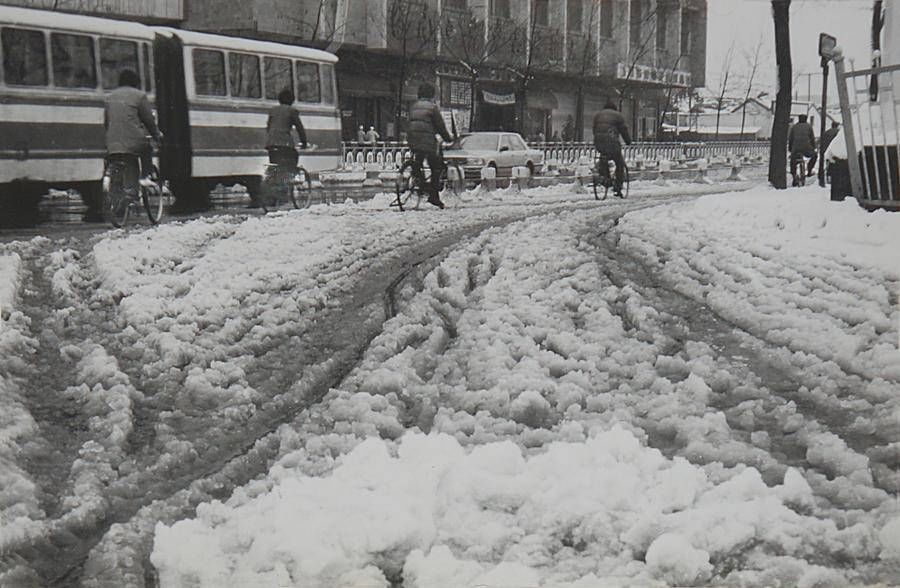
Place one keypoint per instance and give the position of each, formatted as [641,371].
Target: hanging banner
[498,99]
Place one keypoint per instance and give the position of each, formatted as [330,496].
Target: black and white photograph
[449,293]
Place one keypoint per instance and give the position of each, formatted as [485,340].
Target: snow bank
[443,516]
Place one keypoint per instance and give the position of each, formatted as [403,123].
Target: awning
[542,99]
[357,84]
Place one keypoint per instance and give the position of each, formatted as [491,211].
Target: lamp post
[827,44]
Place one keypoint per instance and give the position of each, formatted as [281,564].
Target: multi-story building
[536,66]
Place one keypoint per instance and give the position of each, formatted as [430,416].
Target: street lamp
[827,45]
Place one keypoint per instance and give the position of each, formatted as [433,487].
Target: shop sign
[498,99]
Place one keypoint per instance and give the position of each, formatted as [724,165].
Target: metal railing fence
[391,154]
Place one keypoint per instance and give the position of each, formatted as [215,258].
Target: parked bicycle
[121,193]
[414,181]
[603,178]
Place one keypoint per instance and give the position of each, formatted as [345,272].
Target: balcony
[142,10]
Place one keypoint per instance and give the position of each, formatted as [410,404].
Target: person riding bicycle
[609,125]
[802,143]
[128,120]
[279,142]
[425,121]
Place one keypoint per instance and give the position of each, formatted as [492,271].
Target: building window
[637,14]
[209,72]
[662,26]
[455,93]
[115,57]
[455,4]
[308,87]
[606,18]
[500,8]
[686,32]
[575,15]
[73,61]
[541,10]
[278,75]
[24,57]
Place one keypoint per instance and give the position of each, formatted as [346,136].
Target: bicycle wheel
[116,204]
[457,185]
[269,189]
[598,183]
[406,184]
[300,189]
[153,198]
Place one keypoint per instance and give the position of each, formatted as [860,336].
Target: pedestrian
[372,136]
[568,132]
[609,126]
[801,143]
[279,142]
[361,134]
[128,120]
[425,121]
[828,135]
[555,138]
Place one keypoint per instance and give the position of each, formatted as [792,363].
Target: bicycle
[607,180]
[412,180]
[278,180]
[798,159]
[147,191]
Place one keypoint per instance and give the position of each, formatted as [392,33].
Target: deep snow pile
[541,378]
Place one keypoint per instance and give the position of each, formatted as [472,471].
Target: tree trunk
[473,111]
[778,152]
[398,107]
[579,113]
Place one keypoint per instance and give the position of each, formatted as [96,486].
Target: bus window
[327,72]
[244,69]
[209,72]
[73,61]
[24,57]
[308,82]
[148,68]
[116,56]
[278,76]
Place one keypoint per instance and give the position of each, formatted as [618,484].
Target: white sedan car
[500,150]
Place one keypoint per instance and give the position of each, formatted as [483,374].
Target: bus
[211,94]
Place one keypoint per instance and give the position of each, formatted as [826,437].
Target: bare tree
[753,62]
[528,57]
[781,11]
[722,88]
[411,31]
[645,28]
[469,41]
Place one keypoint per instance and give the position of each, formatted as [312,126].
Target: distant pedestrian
[361,134]
[829,135]
[556,138]
[372,136]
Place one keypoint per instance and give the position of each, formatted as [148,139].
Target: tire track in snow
[749,360]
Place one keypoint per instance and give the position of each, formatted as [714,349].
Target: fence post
[852,157]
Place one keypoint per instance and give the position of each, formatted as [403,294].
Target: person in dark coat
[279,142]
[425,121]
[802,143]
[609,126]
[128,120]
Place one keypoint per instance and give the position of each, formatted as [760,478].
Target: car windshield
[479,142]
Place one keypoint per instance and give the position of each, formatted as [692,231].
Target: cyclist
[128,121]
[425,121]
[802,143]
[609,125]
[279,143]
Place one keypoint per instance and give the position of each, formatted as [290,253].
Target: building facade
[540,67]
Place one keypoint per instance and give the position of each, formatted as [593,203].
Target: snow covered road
[524,391]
